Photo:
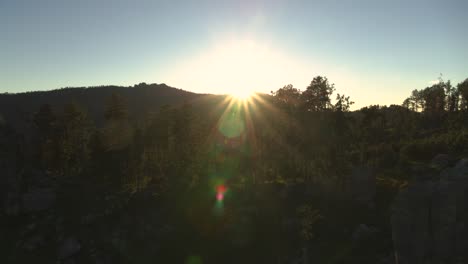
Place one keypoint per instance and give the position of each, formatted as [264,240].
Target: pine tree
[46,138]
[117,131]
[75,132]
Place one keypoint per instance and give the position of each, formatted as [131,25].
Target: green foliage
[289,97]
[46,137]
[453,142]
[116,108]
[75,134]
[439,97]
[118,131]
[308,218]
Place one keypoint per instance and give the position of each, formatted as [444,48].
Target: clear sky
[374,51]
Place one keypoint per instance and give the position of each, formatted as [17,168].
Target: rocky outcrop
[429,219]
[362,185]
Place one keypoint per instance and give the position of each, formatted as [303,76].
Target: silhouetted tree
[415,102]
[452,96]
[343,103]
[117,130]
[434,99]
[462,90]
[46,138]
[317,95]
[116,109]
[75,132]
[289,96]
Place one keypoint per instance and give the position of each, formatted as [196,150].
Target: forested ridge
[141,99]
[154,174]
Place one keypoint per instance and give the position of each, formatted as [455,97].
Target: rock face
[429,219]
[362,185]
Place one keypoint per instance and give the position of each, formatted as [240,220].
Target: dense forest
[154,174]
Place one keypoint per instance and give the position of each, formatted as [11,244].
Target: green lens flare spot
[232,124]
[193,260]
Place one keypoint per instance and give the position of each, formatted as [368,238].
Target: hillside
[17,109]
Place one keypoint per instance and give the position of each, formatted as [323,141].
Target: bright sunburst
[237,66]
[242,94]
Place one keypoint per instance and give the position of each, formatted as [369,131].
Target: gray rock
[440,161]
[429,219]
[34,242]
[410,218]
[463,163]
[363,232]
[38,200]
[68,248]
[362,185]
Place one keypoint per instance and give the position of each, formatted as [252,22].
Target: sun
[242,94]
[237,65]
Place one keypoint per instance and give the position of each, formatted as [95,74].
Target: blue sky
[374,51]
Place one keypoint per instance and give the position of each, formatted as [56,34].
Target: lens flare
[232,123]
[193,260]
[221,189]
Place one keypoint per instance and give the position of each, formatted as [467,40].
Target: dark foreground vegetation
[153,174]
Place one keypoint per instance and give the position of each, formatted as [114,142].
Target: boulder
[429,219]
[440,161]
[34,242]
[362,185]
[463,163]
[363,232]
[38,200]
[68,248]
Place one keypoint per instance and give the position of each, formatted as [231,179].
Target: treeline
[17,109]
[292,135]
[120,154]
[391,139]
[440,97]
[181,140]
